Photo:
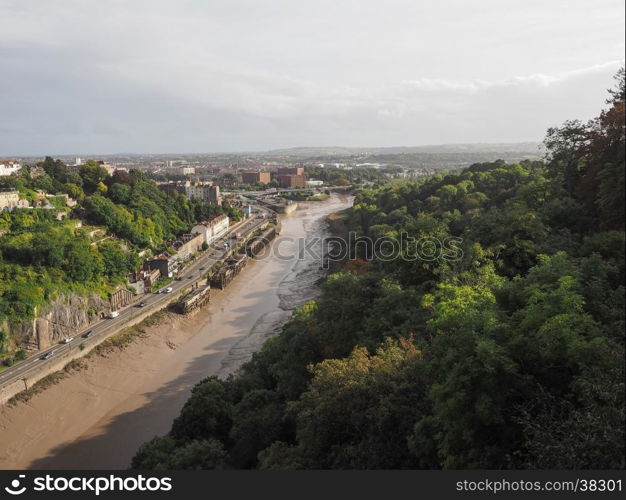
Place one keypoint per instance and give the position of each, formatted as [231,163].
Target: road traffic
[97,332]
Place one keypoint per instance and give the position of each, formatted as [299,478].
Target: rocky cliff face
[65,317]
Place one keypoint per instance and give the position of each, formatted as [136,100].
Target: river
[96,418]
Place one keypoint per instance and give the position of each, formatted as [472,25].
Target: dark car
[202,268]
[141,304]
[86,335]
[48,355]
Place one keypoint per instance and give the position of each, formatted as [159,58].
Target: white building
[9,167]
[109,168]
[212,229]
[184,170]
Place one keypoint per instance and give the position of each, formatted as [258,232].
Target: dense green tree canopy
[505,351]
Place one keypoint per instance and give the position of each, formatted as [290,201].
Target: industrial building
[256,177]
[291,181]
[290,171]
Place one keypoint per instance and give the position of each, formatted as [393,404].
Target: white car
[169,289]
[67,340]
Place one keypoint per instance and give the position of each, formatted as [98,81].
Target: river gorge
[98,416]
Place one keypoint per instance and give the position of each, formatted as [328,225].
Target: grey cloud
[83,76]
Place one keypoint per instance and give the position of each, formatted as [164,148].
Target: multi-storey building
[165,263]
[187,245]
[174,187]
[291,171]
[291,181]
[183,170]
[254,177]
[205,192]
[212,229]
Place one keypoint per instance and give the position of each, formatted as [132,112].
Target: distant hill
[427,158]
[531,148]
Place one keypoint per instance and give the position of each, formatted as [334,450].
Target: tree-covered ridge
[509,356]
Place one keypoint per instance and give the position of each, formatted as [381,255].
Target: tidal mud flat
[98,417]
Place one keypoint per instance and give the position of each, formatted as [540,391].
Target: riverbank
[97,416]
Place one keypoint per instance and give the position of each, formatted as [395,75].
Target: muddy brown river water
[96,418]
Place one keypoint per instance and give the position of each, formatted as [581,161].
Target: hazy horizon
[428,148]
[484,147]
[100,78]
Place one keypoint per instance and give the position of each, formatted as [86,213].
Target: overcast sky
[242,75]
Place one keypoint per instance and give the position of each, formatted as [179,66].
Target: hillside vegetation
[94,247]
[506,352]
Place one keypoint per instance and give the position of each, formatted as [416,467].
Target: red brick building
[291,171]
[291,181]
[254,177]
